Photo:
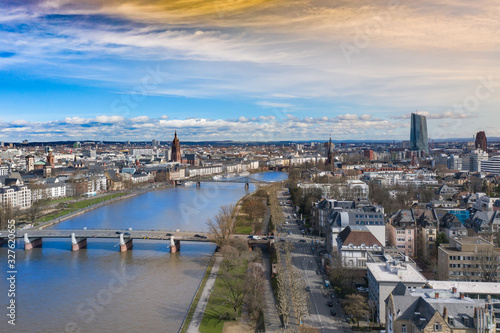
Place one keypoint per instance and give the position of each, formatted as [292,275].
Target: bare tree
[489,265]
[282,296]
[254,208]
[356,307]
[232,294]
[222,225]
[300,298]
[6,214]
[255,290]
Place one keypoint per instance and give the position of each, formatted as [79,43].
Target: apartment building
[15,196]
[437,310]
[402,231]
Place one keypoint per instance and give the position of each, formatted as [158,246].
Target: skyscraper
[481,142]
[176,149]
[418,135]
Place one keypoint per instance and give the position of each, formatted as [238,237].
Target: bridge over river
[33,238]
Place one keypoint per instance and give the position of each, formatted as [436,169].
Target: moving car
[333,312]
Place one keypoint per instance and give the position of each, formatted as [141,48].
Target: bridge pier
[247,186]
[78,243]
[175,245]
[198,184]
[125,244]
[31,243]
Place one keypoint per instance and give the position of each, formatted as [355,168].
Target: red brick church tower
[176,149]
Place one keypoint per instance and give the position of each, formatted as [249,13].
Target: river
[99,289]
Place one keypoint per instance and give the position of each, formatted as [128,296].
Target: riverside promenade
[205,295]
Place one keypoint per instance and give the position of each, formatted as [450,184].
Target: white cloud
[109,119]
[140,119]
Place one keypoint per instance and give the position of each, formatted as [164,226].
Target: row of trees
[291,285]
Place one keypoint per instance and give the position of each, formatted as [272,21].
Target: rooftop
[402,271]
[487,288]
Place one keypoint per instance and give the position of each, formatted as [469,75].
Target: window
[403,329]
[437,327]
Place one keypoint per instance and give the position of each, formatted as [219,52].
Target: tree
[441,239]
[489,265]
[340,276]
[255,290]
[221,226]
[254,208]
[36,209]
[232,293]
[6,214]
[356,306]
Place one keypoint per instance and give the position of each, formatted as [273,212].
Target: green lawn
[90,202]
[74,206]
[210,323]
[56,214]
[196,299]
[60,200]
[243,225]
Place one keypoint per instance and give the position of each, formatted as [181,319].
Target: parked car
[302,240]
[333,312]
[256,237]
[329,303]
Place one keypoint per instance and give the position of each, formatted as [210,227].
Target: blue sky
[247,70]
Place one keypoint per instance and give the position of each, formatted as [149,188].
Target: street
[303,258]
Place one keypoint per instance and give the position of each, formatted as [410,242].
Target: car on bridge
[168,234]
[200,236]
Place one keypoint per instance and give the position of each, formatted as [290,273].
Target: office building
[491,166]
[384,277]
[418,135]
[476,158]
[481,142]
[468,259]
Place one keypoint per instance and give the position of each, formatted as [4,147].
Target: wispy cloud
[137,128]
[276,54]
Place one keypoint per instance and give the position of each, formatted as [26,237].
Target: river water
[98,289]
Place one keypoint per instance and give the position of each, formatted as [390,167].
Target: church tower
[51,159]
[330,158]
[176,149]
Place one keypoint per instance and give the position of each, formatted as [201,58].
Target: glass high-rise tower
[418,135]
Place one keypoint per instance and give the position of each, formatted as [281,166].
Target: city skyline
[246,70]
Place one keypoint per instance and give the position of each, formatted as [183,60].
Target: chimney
[462,295]
[445,312]
[436,295]
[454,289]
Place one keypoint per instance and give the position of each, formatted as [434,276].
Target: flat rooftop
[406,273]
[486,288]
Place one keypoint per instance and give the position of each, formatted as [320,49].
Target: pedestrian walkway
[205,295]
[272,320]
